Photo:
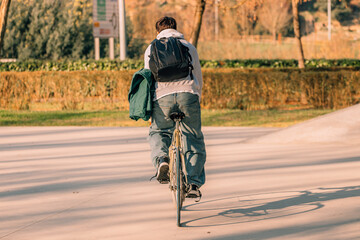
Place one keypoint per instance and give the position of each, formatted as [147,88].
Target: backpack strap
[191,67]
[190,59]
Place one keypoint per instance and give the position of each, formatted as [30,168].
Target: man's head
[165,23]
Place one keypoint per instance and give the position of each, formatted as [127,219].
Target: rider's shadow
[240,209]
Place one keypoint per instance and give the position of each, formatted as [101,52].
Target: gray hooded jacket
[182,85]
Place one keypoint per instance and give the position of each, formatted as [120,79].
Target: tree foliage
[54,29]
[49,29]
[59,29]
[341,9]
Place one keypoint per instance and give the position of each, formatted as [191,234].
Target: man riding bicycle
[180,94]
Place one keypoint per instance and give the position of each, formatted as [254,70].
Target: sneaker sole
[163,177]
[192,195]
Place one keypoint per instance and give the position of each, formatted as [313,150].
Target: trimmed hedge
[268,88]
[65,90]
[248,89]
[115,65]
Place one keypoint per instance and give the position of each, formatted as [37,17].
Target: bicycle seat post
[177,116]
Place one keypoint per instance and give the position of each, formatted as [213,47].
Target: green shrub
[79,65]
[115,65]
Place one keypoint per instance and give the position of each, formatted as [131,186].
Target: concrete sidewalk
[93,183]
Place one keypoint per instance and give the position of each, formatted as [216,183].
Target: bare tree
[4,9]
[245,18]
[200,8]
[248,14]
[295,7]
[274,16]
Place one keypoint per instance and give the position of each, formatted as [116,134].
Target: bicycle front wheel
[178,188]
[176,175]
[172,176]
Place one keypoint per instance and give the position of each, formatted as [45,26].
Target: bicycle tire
[178,188]
[173,184]
[177,178]
[172,175]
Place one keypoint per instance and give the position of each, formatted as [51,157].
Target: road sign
[106,20]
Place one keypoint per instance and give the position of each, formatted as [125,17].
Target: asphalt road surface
[93,183]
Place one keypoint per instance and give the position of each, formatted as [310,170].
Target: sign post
[97,48]
[122,29]
[111,48]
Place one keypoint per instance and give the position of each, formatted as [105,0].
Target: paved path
[341,126]
[92,183]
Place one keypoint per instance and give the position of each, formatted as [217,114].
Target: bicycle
[177,169]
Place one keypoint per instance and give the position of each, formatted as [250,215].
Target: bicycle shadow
[259,207]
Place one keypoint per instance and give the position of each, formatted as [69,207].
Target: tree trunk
[200,8]
[274,36]
[295,7]
[4,9]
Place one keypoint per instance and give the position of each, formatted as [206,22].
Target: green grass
[263,118]
[259,118]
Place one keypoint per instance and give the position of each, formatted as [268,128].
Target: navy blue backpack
[170,60]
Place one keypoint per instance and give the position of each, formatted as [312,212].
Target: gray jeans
[162,127]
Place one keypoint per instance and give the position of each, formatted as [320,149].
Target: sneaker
[193,192]
[162,174]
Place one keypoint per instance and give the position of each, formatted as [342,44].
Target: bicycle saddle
[177,115]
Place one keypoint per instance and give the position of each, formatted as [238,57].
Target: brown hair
[165,23]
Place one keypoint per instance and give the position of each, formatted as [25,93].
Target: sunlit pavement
[93,183]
